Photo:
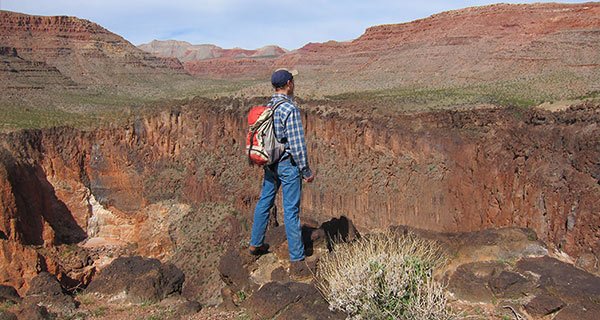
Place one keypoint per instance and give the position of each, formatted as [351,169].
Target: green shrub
[384,276]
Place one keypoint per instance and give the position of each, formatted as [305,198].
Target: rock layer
[186,52]
[80,50]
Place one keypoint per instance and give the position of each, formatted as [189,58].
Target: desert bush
[384,276]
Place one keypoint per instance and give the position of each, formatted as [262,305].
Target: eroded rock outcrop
[46,291]
[445,171]
[493,273]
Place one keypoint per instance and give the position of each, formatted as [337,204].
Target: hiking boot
[257,251]
[300,270]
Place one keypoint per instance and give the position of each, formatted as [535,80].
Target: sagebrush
[385,276]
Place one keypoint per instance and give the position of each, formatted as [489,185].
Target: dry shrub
[385,276]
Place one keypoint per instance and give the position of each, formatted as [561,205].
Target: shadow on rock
[339,230]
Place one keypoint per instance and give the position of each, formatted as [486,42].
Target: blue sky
[241,23]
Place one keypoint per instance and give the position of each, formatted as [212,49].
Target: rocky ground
[491,274]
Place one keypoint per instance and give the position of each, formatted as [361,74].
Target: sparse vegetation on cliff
[385,276]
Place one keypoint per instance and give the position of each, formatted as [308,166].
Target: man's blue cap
[280,77]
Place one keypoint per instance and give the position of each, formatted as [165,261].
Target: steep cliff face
[81,50]
[466,171]
[447,171]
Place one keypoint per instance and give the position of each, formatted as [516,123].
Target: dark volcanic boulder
[45,290]
[138,279]
[510,284]
[8,293]
[234,272]
[543,305]
[291,300]
[574,292]
[5,315]
[470,280]
[31,311]
[270,300]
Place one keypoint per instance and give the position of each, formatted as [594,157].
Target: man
[288,172]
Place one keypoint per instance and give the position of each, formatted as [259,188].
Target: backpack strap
[275,131]
[279,103]
[273,116]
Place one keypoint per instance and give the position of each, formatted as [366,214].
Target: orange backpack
[262,146]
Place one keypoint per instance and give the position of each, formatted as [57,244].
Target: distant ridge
[78,49]
[553,43]
[185,51]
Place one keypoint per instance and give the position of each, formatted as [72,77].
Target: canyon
[512,157]
[532,169]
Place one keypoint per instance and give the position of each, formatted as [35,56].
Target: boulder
[291,300]
[137,279]
[543,305]
[509,284]
[31,311]
[45,290]
[576,288]
[280,275]
[471,281]
[8,293]
[234,272]
[6,315]
[578,312]
[180,306]
[570,283]
[311,305]
[188,307]
[270,299]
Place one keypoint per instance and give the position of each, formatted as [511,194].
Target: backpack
[262,146]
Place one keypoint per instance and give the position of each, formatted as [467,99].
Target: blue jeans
[288,176]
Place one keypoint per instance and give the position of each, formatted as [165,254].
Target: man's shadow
[333,231]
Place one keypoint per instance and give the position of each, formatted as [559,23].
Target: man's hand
[309,179]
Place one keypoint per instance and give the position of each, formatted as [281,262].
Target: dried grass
[385,276]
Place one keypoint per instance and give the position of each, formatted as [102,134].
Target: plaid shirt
[288,126]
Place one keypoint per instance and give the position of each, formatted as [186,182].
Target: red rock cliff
[447,171]
[79,49]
